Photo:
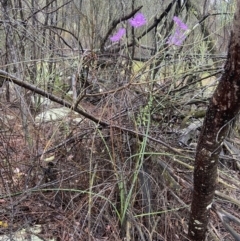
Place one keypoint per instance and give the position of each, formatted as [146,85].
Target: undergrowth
[131,179]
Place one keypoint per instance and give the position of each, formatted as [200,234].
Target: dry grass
[132,180]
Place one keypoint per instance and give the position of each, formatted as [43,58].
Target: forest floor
[63,184]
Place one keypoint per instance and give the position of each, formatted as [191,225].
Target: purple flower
[117,36]
[179,23]
[180,33]
[177,38]
[138,20]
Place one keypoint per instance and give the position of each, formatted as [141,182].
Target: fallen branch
[102,123]
[19,82]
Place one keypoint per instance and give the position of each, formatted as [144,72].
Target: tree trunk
[223,107]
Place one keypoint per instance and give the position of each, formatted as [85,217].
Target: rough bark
[223,107]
